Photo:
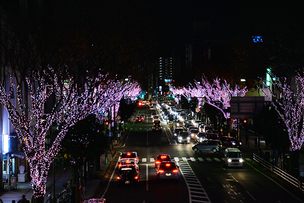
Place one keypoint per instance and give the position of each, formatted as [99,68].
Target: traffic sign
[128,101]
[110,134]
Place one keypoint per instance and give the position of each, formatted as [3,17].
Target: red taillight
[175,171]
[121,159]
[136,177]
[168,164]
[157,162]
[135,159]
[161,171]
[118,178]
[128,154]
[119,165]
[163,157]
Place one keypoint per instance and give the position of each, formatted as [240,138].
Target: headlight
[241,160]
[179,137]
[177,124]
[240,143]
[188,138]
[229,160]
[233,143]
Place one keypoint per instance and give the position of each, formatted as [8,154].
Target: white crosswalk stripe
[192,159]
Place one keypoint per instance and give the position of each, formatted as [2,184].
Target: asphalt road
[203,176]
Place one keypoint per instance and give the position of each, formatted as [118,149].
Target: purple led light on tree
[289,106]
[72,103]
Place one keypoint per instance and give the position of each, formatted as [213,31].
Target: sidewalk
[92,189]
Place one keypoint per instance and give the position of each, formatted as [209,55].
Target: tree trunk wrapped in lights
[72,103]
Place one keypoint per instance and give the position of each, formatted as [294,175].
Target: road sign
[110,134]
[128,101]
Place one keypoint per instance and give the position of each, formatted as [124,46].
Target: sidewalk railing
[279,172]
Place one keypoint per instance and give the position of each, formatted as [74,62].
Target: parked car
[208,145]
[230,142]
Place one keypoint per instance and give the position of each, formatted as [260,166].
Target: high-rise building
[167,70]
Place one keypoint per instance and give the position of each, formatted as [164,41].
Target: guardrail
[279,172]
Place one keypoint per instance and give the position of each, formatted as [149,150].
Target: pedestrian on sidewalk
[23,200]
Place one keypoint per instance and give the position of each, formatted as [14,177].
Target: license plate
[127,182]
[232,164]
[168,174]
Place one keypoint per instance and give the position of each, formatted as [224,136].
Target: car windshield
[128,155]
[183,134]
[234,154]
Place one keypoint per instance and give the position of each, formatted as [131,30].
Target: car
[128,156]
[208,145]
[95,200]
[160,158]
[233,157]
[128,162]
[128,174]
[156,126]
[176,131]
[205,128]
[140,119]
[200,137]
[193,133]
[230,142]
[155,118]
[183,137]
[168,170]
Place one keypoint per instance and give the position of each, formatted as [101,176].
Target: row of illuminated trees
[72,102]
[288,100]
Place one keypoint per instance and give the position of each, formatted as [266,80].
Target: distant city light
[257,39]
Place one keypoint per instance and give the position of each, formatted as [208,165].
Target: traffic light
[107,123]
[245,121]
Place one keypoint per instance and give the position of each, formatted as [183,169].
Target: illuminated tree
[289,105]
[217,94]
[72,103]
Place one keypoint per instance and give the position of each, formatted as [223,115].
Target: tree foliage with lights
[72,103]
[289,105]
[216,93]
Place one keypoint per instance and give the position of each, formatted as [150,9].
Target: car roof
[232,150]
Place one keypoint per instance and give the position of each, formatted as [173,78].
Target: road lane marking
[147,174]
[195,189]
[200,159]
[192,159]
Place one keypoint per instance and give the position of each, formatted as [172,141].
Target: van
[233,157]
